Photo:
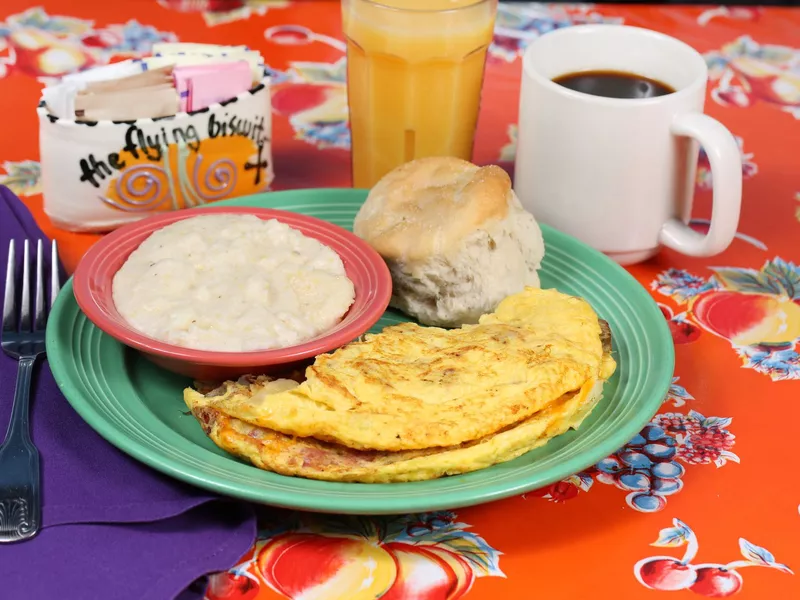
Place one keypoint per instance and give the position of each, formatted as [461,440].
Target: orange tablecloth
[735,318]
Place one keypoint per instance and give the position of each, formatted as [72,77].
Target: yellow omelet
[314,459]
[412,388]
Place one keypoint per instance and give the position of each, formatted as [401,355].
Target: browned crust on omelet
[605,336]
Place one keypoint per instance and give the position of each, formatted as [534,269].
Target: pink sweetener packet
[199,86]
[182,76]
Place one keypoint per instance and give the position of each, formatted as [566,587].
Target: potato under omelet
[411,387]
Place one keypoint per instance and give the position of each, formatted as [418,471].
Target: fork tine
[9,304]
[55,284]
[39,316]
[25,308]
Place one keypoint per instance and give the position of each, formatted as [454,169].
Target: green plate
[139,408]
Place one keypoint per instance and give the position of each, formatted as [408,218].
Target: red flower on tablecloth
[518,24]
[650,467]
[427,556]
[45,46]
[757,311]
[667,573]
[217,12]
[745,71]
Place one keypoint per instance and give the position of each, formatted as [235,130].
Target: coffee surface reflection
[614,84]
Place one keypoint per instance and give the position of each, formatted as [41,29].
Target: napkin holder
[97,176]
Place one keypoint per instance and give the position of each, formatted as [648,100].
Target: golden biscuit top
[428,206]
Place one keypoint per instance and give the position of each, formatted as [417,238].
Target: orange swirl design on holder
[220,168]
[141,188]
[224,173]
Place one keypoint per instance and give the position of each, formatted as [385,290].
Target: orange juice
[414,76]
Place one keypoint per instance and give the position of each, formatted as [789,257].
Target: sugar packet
[185,48]
[199,86]
[205,54]
[59,98]
[127,105]
[147,78]
[188,60]
[105,72]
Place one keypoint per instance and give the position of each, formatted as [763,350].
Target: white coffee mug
[617,173]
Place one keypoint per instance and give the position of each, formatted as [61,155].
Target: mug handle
[726,177]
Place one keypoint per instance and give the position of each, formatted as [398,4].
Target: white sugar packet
[106,72]
[59,98]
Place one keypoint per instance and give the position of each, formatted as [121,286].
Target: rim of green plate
[661,344]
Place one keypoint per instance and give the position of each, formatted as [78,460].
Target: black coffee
[613,84]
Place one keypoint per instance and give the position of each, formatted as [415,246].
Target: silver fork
[20,483]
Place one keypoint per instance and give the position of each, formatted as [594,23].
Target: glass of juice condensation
[414,76]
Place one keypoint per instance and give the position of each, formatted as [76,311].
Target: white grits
[232,283]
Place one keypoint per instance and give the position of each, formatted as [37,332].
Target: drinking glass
[414,76]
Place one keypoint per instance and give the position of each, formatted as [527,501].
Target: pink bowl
[369,274]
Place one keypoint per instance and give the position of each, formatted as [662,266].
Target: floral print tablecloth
[713,466]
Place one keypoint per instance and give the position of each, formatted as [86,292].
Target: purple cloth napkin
[113,529]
